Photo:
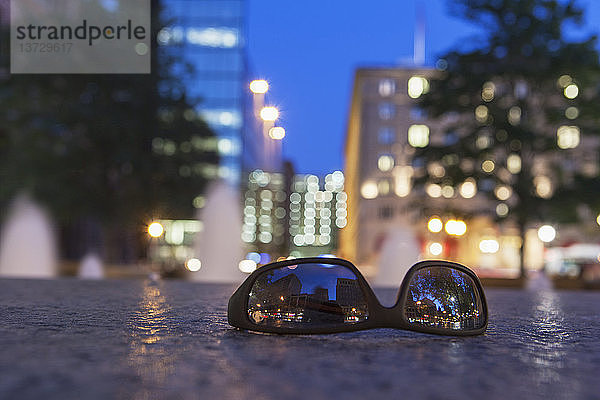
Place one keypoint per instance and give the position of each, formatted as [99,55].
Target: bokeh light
[369,190]
[418,135]
[547,233]
[489,246]
[435,248]
[468,189]
[435,225]
[193,265]
[455,227]
[155,229]
[269,114]
[417,85]
[259,86]
[488,166]
[571,91]
[247,266]
[277,133]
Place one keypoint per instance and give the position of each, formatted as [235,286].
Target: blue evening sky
[308,51]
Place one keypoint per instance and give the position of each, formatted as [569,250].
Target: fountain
[28,243]
[91,267]
[219,244]
[399,252]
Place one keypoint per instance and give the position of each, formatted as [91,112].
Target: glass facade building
[295,215]
[209,36]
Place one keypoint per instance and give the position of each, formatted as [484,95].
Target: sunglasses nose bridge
[388,317]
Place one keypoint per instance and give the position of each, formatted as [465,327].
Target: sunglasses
[329,295]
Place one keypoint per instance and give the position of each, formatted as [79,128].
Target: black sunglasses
[328,295]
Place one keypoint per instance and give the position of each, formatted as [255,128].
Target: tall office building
[379,168]
[210,36]
[266,214]
[317,212]
[293,215]
[385,128]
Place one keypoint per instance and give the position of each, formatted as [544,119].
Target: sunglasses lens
[444,297]
[307,296]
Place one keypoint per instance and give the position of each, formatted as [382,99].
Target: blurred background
[383,133]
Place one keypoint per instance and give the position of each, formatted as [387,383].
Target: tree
[117,149]
[519,110]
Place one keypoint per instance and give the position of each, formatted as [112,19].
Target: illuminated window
[417,114]
[369,190]
[418,135]
[387,87]
[417,85]
[385,162]
[383,187]
[211,37]
[403,177]
[216,117]
[387,111]
[386,135]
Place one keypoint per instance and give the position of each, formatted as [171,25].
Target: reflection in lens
[307,295]
[443,297]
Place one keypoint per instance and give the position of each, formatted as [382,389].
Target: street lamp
[259,86]
[155,229]
[277,133]
[269,114]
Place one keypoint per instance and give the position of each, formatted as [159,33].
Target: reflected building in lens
[289,285]
[348,292]
[351,298]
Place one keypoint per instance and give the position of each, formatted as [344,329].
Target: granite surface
[139,339]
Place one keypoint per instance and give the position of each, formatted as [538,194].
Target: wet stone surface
[70,339]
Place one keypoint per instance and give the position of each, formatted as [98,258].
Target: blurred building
[210,37]
[317,211]
[264,229]
[288,214]
[384,129]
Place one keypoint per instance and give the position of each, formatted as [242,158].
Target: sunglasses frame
[379,315]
